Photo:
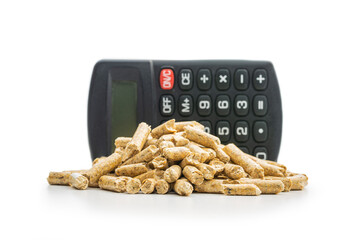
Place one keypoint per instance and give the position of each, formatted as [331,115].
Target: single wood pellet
[181,157]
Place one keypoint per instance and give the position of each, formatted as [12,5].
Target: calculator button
[222,105]
[167,105]
[204,79]
[261,152]
[260,105]
[204,105]
[167,79]
[207,125]
[186,79]
[186,105]
[260,79]
[244,149]
[260,131]
[222,79]
[223,130]
[241,105]
[241,131]
[241,79]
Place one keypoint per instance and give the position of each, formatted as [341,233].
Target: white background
[47,52]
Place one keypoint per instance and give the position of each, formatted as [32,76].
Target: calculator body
[238,101]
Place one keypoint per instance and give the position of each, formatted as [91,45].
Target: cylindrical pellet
[133,186]
[210,186]
[238,157]
[204,155]
[193,175]
[241,189]
[148,185]
[165,144]
[149,174]
[269,169]
[217,165]
[234,171]
[299,181]
[162,186]
[179,126]
[201,137]
[137,141]
[285,180]
[144,156]
[180,141]
[211,152]
[172,173]
[122,141]
[98,160]
[106,166]
[221,155]
[176,153]
[190,159]
[131,170]
[78,181]
[159,163]
[266,186]
[183,187]
[165,128]
[207,171]
[151,141]
[58,178]
[112,183]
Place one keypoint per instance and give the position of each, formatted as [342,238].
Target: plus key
[260,79]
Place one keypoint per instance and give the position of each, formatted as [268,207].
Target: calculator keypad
[225,107]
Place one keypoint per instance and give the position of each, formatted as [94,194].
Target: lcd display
[123,104]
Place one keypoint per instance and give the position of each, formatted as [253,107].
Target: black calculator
[238,101]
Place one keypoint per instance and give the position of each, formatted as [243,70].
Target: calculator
[239,101]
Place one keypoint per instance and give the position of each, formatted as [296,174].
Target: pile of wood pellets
[181,157]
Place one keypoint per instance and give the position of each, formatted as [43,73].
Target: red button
[166,79]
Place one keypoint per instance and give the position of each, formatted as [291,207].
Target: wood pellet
[180,157]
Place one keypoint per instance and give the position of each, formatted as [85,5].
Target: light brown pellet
[183,187]
[149,174]
[78,181]
[165,144]
[159,163]
[210,186]
[133,186]
[148,186]
[131,170]
[265,186]
[179,126]
[172,173]
[193,175]
[269,169]
[104,167]
[211,152]
[98,160]
[162,186]
[176,153]
[285,180]
[58,178]
[201,137]
[144,156]
[238,157]
[122,141]
[299,181]
[241,189]
[217,165]
[191,159]
[180,141]
[221,155]
[234,171]
[207,171]
[204,155]
[151,141]
[165,128]
[112,183]
[137,141]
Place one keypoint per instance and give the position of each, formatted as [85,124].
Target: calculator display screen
[123,104]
